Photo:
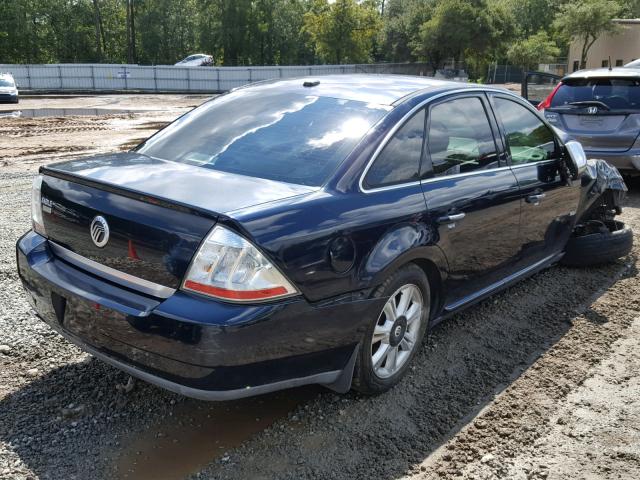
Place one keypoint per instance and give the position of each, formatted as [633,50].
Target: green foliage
[401,23]
[459,29]
[343,31]
[586,20]
[531,51]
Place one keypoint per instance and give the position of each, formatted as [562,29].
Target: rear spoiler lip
[130,193]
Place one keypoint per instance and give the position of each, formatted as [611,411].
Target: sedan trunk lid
[157,211]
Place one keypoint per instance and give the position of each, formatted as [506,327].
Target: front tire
[611,241]
[394,337]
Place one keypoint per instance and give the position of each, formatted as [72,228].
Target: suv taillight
[546,103]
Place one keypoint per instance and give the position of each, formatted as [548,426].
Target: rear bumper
[193,345]
[626,162]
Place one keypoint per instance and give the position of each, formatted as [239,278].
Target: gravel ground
[540,381]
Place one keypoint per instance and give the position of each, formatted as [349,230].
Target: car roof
[617,72]
[370,88]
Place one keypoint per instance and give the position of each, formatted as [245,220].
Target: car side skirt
[488,291]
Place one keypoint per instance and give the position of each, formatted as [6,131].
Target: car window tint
[460,139]
[399,161]
[528,138]
[268,134]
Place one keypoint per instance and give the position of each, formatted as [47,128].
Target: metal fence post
[188,79]
[93,78]
[29,77]
[60,76]
[155,78]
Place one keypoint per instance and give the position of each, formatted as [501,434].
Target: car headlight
[36,206]
[229,267]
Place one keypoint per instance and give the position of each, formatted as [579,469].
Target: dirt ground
[540,381]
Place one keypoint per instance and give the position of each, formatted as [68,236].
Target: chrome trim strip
[497,285]
[108,273]
[401,122]
[465,174]
[541,162]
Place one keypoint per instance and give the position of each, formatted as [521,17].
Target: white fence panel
[169,78]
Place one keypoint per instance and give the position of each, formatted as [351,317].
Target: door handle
[535,199]
[455,217]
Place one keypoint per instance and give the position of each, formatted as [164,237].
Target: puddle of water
[64,112]
[199,432]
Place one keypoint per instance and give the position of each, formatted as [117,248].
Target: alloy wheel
[396,332]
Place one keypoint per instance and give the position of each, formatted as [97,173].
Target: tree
[586,21]
[343,31]
[528,53]
[456,27]
[401,23]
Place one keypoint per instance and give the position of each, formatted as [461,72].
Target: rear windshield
[615,93]
[287,137]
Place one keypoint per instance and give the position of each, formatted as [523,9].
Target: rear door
[471,195]
[602,113]
[548,199]
[537,86]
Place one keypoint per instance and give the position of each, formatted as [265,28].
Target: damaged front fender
[604,191]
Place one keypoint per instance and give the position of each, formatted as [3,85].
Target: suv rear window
[615,93]
[279,136]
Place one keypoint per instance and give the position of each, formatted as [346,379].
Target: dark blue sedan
[303,231]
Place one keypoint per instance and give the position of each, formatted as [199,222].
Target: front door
[471,195]
[549,201]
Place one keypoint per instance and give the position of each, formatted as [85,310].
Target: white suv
[8,89]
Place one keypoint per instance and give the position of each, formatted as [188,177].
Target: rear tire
[597,248]
[394,336]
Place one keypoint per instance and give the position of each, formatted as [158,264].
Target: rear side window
[399,161]
[268,134]
[528,138]
[460,138]
[614,93]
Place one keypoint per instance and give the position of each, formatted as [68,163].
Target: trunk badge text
[99,231]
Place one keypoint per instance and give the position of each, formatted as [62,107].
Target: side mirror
[577,157]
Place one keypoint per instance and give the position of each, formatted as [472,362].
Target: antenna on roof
[610,63]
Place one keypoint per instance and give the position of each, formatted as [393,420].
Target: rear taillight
[229,267]
[36,206]
[546,103]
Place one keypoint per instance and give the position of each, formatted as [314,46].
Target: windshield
[614,93]
[280,136]
[4,82]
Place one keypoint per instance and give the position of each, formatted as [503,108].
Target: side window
[399,161]
[528,138]
[460,138]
